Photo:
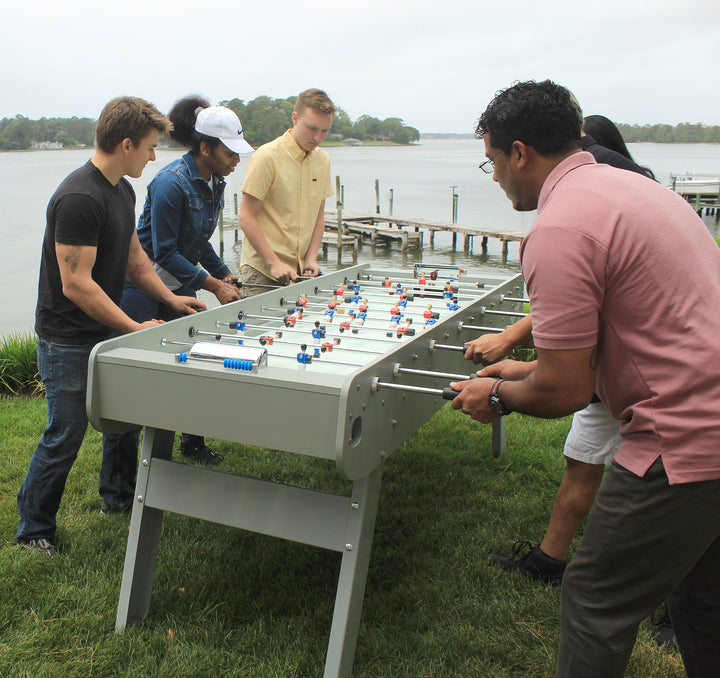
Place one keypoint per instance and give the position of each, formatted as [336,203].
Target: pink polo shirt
[616,259]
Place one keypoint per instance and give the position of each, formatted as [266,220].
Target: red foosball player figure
[334,303]
[363,307]
[344,325]
[422,279]
[395,310]
[427,313]
[302,301]
[387,282]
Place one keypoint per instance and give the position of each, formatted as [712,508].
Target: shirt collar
[195,172]
[293,150]
[563,168]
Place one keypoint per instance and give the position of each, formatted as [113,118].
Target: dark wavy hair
[183,115]
[543,115]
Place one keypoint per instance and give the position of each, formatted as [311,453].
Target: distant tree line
[684,133]
[18,133]
[263,119]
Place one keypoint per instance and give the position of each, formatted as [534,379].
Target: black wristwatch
[495,401]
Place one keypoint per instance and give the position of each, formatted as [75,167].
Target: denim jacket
[178,219]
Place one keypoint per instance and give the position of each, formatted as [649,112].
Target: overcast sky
[434,64]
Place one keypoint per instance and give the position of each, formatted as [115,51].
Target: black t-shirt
[86,210]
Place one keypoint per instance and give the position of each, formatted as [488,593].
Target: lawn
[231,603]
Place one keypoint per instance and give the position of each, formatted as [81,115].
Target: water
[420,176]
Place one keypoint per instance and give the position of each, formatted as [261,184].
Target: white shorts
[594,435]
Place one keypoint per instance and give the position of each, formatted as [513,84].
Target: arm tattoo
[72,257]
[139,271]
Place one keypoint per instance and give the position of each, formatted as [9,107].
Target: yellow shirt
[292,187]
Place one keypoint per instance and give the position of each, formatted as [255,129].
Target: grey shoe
[43,546]
[531,561]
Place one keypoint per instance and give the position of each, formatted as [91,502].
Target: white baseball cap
[222,123]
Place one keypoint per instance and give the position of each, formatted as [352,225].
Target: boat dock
[409,231]
[702,191]
[384,229]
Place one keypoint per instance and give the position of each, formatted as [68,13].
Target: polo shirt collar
[570,163]
[293,150]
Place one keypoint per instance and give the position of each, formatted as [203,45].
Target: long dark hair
[604,132]
[183,115]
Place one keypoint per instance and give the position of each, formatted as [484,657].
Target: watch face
[496,405]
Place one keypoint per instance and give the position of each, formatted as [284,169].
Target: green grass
[231,603]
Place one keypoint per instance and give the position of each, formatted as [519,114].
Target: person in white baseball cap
[221,123]
[181,212]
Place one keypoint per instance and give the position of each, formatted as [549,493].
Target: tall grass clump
[18,364]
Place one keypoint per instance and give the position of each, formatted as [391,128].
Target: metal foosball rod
[316,333]
[324,326]
[371,314]
[383,305]
[488,311]
[361,296]
[446,393]
[481,328]
[434,346]
[402,328]
[453,282]
[515,300]
[378,291]
[399,369]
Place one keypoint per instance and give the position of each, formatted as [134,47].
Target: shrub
[18,364]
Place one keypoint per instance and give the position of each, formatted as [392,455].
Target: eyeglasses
[489,165]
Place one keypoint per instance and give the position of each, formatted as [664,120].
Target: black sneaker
[43,546]
[534,563]
[200,452]
[115,509]
[664,635]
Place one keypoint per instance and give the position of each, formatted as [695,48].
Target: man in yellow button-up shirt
[282,210]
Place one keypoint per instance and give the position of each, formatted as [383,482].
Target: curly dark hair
[183,115]
[543,115]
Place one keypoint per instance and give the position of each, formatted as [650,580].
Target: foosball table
[361,357]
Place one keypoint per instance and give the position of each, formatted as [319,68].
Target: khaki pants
[251,276]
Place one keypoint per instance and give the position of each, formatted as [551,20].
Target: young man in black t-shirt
[90,247]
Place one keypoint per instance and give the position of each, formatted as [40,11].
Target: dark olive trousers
[646,542]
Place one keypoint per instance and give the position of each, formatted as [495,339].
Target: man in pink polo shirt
[624,285]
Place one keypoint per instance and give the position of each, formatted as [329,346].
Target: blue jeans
[120,450]
[63,369]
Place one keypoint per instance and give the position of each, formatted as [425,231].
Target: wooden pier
[384,229]
[409,232]
[702,191]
